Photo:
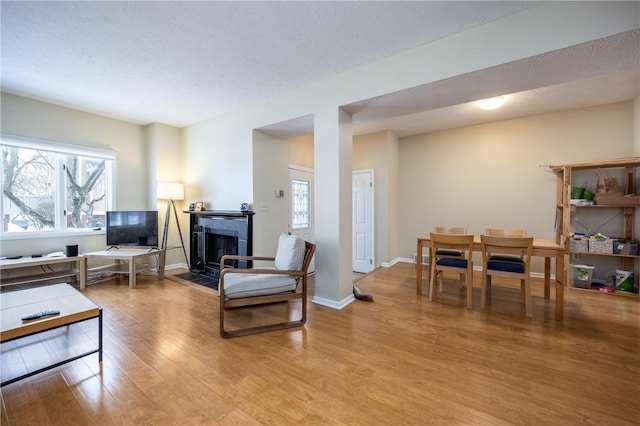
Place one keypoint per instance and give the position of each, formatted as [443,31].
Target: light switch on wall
[264,206]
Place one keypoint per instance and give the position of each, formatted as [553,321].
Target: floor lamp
[172,192]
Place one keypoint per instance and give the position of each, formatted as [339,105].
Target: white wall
[226,174]
[218,162]
[35,119]
[165,157]
[490,176]
[481,176]
[301,151]
[270,172]
[379,151]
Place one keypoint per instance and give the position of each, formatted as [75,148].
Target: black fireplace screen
[217,245]
[216,234]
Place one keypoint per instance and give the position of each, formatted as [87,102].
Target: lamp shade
[170,191]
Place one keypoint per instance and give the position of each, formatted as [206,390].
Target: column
[333,150]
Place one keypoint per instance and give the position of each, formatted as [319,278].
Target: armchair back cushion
[290,254]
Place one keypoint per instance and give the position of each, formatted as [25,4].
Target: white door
[363,240]
[301,205]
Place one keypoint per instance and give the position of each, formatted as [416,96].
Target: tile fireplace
[215,233]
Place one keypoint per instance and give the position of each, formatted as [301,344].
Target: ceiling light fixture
[492,103]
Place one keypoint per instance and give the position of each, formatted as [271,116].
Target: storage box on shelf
[623,247]
[617,199]
[581,275]
[601,246]
[624,202]
[579,244]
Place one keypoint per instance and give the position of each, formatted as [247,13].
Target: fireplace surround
[215,233]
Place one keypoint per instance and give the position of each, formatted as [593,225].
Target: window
[300,204]
[53,187]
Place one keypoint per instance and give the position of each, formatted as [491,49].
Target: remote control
[36,315]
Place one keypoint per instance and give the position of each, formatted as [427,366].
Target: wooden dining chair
[440,261]
[497,232]
[507,257]
[455,230]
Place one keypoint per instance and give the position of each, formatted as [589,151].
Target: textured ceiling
[183,62]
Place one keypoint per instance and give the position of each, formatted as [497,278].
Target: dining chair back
[496,232]
[455,230]
[441,261]
[508,257]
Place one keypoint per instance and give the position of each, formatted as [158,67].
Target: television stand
[76,269]
[128,261]
[150,249]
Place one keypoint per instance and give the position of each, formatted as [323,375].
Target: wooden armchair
[286,281]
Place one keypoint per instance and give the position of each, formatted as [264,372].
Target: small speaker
[71,250]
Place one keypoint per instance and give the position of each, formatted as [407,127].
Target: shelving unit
[566,212]
[39,269]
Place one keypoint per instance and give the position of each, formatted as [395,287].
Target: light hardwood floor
[399,360]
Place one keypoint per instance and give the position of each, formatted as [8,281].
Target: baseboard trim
[176,266]
[332,303]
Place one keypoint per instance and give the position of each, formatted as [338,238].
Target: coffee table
[74,307]
[138,260]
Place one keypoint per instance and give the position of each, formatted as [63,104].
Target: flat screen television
[132,228]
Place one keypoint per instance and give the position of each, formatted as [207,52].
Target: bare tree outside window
[85,192]
[28,189]
[31,190]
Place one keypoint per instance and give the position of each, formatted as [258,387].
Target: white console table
[8,266]
[128,261]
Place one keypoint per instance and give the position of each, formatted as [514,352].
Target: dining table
[548,249]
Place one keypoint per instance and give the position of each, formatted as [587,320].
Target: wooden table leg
[560,283]
[547,278]
[82,271]
[132,273]
[162,258]
[419,267]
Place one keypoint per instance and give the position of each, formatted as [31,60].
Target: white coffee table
[74,307]
[128,261]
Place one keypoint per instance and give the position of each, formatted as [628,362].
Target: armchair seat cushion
[249,285]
